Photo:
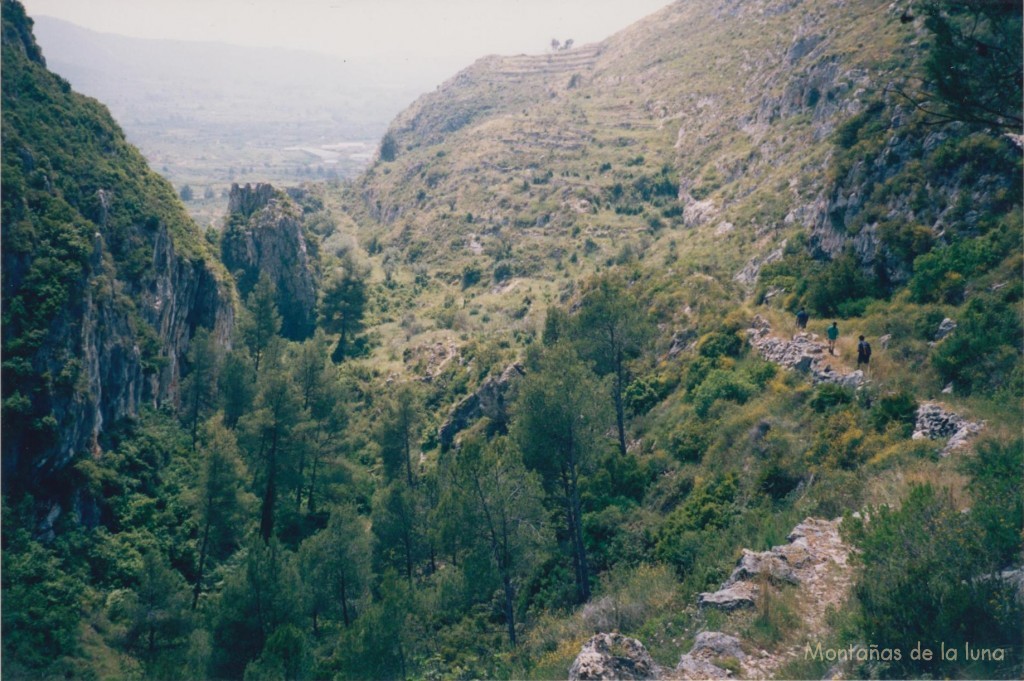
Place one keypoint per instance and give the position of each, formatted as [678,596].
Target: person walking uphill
[833,335]
[863,353]
[801,318]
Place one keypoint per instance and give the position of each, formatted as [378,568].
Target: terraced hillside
[703,133]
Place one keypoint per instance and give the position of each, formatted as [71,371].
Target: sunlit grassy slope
[696,140]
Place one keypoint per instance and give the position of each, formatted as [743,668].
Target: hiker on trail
[863,353]
[801,318]
[833,334]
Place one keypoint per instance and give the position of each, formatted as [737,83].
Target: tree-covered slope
[105,278]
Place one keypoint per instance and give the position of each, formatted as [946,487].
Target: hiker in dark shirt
[801,318]
[833,334]
[863,353]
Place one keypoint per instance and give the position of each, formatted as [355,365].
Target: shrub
[710,506]
[899,408]
[905,240]
[688,441]
[640,396]
[777,480]
[619,480]
[719,344]
[942,273]
[922,583]
[721,385]
[840,282]
[502,271]
[839,443]
[761,372]
[998,504]
[612,539]
[985,348]
[471,276]
[696,371]
[830,395]
[41,607]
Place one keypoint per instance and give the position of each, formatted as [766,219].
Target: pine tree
[974,64]
[237,390]
[344,304]
[336,564]
[398,431]
[504,504]
[611,328]
[268,437]
[157,613]
[257,600]
[199,392]
[218,500]
[323,400]
[261,325]
[395,527]
[560,425]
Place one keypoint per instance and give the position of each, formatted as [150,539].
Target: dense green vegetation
[81,212]
[295,515]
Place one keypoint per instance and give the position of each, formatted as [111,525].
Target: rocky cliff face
[264,235]
[105,278]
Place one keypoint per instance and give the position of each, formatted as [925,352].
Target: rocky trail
[806,354]
[814,560]
[803,353]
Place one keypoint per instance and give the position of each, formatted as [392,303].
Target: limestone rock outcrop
[264,235]
[489,400]
[105,279]
[935,422]
[812,544]
[613,656]
[946,327]
[708,647]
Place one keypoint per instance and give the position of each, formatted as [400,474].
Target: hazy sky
[451,31]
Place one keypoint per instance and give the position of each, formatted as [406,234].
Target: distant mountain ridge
[202,107]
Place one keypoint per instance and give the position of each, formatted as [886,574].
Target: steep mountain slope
[568,394]
[697,137]
[719,111]
[712,138]
[724,159]
[264,236]
[105,278]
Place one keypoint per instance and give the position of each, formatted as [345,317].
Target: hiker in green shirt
[833,334]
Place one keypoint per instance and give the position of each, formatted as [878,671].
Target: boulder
[488,400]
[613,656]
[730,597]
[810,544]
[718,644]
[934,422]
[773,564]
[708,647]
[946,327]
